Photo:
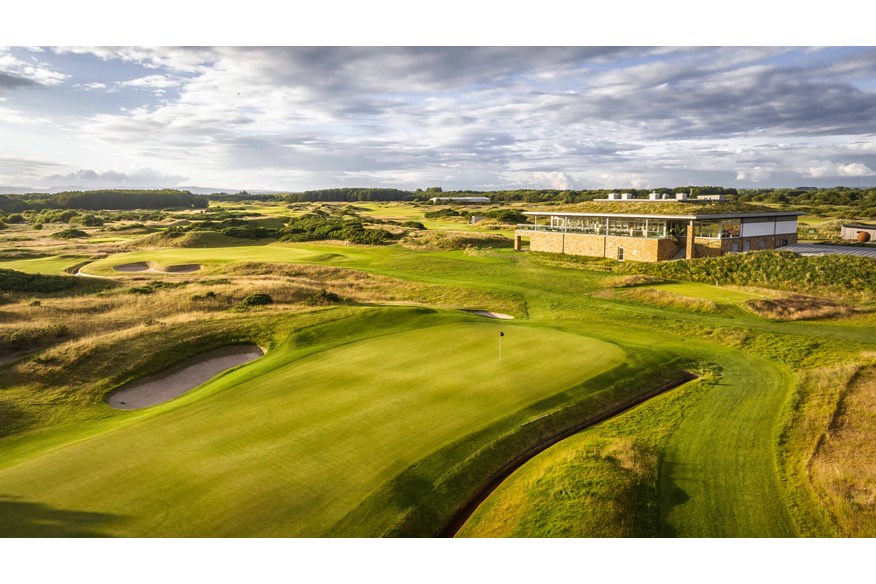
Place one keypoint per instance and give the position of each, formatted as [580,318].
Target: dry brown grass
[631,281]
[798,307]
[843,470]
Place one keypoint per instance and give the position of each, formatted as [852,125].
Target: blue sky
[478,118]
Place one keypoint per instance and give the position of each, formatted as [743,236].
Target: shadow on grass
[671,496]
[12,418]
[19,518]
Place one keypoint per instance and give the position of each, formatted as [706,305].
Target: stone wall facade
[634,248]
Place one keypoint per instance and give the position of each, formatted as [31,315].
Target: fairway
[285,447]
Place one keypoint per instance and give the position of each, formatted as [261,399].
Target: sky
[480,118]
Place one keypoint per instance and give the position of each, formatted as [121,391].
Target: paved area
[812,249]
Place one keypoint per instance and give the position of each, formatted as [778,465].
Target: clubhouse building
[649,230]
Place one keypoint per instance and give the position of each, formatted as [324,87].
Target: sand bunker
[165,387]
[490,314]
[148,267]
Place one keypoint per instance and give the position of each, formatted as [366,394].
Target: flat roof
[684,210]
[654,216]
[805,249]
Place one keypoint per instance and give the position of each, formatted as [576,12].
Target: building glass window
[707,229]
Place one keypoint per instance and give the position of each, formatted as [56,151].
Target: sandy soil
[174,383]
[490,314]
[145,267]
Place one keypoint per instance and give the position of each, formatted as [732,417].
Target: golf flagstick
[501,334]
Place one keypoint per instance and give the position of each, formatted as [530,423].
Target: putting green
[217,256]
[286,447]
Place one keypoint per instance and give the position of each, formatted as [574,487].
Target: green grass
[717,294]
[602,482]
[196,466]
[707,461]
[731,490]
[341,431]
[56,264]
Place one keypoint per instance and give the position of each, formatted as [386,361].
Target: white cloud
[553,180]
[94,86]
[134,177]
[155,82]
[821,169]
[31,70]
[755,174]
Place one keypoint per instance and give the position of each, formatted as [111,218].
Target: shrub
[413,225]
[90,221]
[209,295]
[257,299]
[322,297]
[70,234]
[141,290]
[318,226]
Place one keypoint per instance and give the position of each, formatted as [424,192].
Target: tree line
[103,199]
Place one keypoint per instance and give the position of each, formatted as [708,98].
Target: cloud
[829,169]
[553,180]
[12,82]
[94,86]
[101,178]
[157,83]
[31,70]
[478,117]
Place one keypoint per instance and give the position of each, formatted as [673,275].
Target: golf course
[387,397]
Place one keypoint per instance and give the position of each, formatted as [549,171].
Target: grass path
[718,476]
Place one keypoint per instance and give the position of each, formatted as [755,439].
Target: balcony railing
[584,231]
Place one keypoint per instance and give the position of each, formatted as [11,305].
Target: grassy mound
[187,239]
[779,270]
[452,240]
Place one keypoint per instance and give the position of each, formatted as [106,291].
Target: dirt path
[165,387]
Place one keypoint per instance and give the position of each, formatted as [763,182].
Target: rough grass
[844,467]
[807,418]
[798,307]
[843,276]
[452,240]
[188,239]
[630,281]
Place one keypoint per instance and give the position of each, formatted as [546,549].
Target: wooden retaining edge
[462,515]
